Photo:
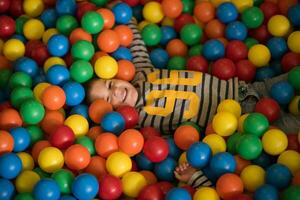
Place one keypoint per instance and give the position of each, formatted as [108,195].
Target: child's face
[115,91]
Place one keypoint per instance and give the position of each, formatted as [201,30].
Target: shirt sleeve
[199,179]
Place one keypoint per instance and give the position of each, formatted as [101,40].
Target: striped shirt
[170,97]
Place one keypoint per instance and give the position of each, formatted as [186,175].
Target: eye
[109,84]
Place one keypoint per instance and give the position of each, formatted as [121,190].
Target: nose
[118,92]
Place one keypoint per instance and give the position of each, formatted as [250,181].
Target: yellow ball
[33,8]
[293,106]
[182,158]
[27,161]
[241,122]
[291,159]
[142,24]
[293,42]
[274,142]
[241,5]
[106,67]
[51,159]
[215,142]
[167,22]
[33,29]
[26,181]
[224,123]
[39,89]
[206,193]
[218,2]
[13,49]
[118,163]
[153,12]
[230,105]
[253,176]
[53,61]
[279,25]
[259,55]
[78,124]
[48,34]
[133,183]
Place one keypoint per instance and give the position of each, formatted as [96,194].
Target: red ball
[4,5]
[197,63]
[131,3]
[245,70]
[149,131]
[110,187]
[84,7]
[40,54]
[182,20]
[293,143]
[269,9]
[151,192]
[16,8]
[156,149]
[261,33]
[30,46]
[224,69]
[236,50]
[165,186]
[130,115]
[268,107]
[62,137]
[289,61]
[7,26]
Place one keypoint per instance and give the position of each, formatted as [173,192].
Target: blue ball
[143,162]
[21,137]
[178,194]
[65,7]
[213,49]
[122,53]
[113,122]
[227,12]
[207,171]
[277,47]
[174,151]
[236,31]
[26,65]
[81,109]
[46,189]
[19,37]
[122,12]
[294,15]
[85,186]
[49,17]
[58,75]
[137,12]
[7,189]
[222,163]
[263,73]
[164,170]
[282,92]
[159,58]
[58,45]
[266,192]
[67,197]
[75,93]
[278,176]
[198,154]
[168,34]
[10,166]
[264,160]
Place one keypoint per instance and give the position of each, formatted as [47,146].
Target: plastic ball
[46,189]
[253,177]
[108,17]
[168,34]
[171,9]
[98,108]
[122,12]
[65,24]
[133,183]
[204,11]
[229,185]
[176,63]
[241,5]
[118,164]
[122,53]
[26,181]
[278,176]
[65,7]
[110,187]
[10,166]
[153,12]
[291,192]
[13,49]
[96,166]
[222,163]
[266,192]
[230,105]
[223,68]
[151,191]
[279,25]
[113,122]
[227,12]
[7,189]
[7,27]
[259,55]
[290,159]
[51,159]
[293,79]
[156,149]
[85,186]
[252,17]
[82,50]
[236,31]
[256,124]
[4,6]
[64,179]
[159,58]
[81,71]
[294,15]
[245,70]
[21,138]
[49,17]
[269,108]
[19,95]
[78,124]
[6,142]
[292,44]
[57,75]
[106,67]
[74,92]
[274,141]
[143,162]
[53,97]
[249,146]
[92,22]
[178,193]
[58,45]
[282,92]
[130,116]
[53,61]
[277,46]
[26,65]
[224,123]
[176,47]
[206,193]
[33,29]
[191,34]
[213,49]
[215,142]
[214,29]
[77,157]
[165,170]
[131,142]
[236,50]
[62,137]
[27,161]
[197,63]
[185,136]
[198,154]
[151,34]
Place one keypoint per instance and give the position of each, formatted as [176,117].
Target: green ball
[292,193]
[81,71]
[195,50]
[64,179]
[191,34]
[41,173]
[252,17]
[24,196]
[92,22]
[151,34]
[87,143]
[294,77]
[20,21]
[19,95]
[99,2]
[66,24]
[32,111]
[82,50]
[256,124]
[5,75]
[250,42]
[36,133]
[249,147]
[232,141]
[20,79]
[176,63]
[188,6]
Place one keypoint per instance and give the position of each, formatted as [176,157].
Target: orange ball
[96,166]
[79,34]
[204,11]
[94,132]
[108,41]
[97,55]
[53,97]
[108,17]
[106,143]
[10,118]
[172,8]
[214,29]
[6,142]
[185,136]
[77,157]
[131,142]
[38,147]
[176,47]
[149,176]
[126,70]
[98,109]
[229,185]
[240,164]
[51,120]
[125,35]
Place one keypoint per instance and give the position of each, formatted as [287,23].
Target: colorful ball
[64,179]
[198,154]
[78,124]
[236,31]
[51,159]
[75,93]
[256,124]
[46,189]
[85,186]
[92,22]
[249,146]
[294,15]
[292,192]
[33,29]
[151,191]
[7,189]
[151,34]
[178,193]
[274,141]
[6,142]
[153,12]
[290,159]
[191,34]
[206,193]
[277,46]
[7,27]
[21,138]
[269,108]
[113,122]
[26,181]
[185,136]
[27,161]
[213,49]
[156,149]
[292,44]
[77,157]
[293,79]
[259,55]
[215,142]
[82,50]
[222,163]
[13,49]
[108,41]
[282,92]
[253,177]
[279,25]
[241,5]
[58,45]
[122,12]
[227,12]
[62,137]
[10,166]
[106,67]
[165,170]
[278,176]
[252,17]
[266,192]
[131,142]
[225,123]
[118,164]
[229,185]
[110,187]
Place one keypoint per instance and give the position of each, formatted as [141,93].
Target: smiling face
[115,91]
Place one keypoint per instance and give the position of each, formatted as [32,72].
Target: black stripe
[144,99]
[210,100]
[227,90]
[172,115]
[219,92]
[156,102]
[201,99]
[186,75]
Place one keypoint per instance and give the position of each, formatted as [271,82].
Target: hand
[184,172]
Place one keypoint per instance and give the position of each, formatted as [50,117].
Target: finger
[177,175]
